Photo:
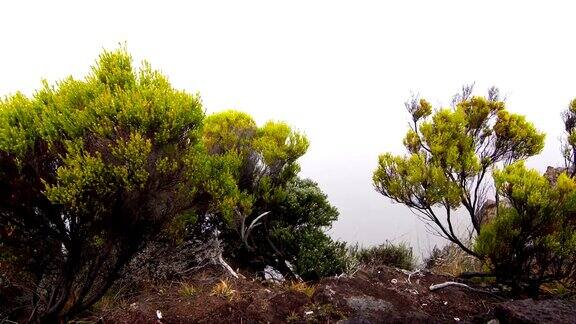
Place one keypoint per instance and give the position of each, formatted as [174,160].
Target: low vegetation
[451,260]
[187,290]
[224,289]
[302,287]
[387,254]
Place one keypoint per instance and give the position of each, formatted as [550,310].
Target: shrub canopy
[268,214]
[450,154]
[90,170]
[533,239]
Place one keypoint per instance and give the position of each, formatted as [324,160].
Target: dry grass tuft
[223,289]
[452,260]
[302,287]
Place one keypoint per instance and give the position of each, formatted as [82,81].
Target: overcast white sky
[337,70]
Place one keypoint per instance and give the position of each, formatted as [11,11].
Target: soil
[382,295]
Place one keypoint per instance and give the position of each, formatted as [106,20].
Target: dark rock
[487,212]
[363,304]
[553,173]
[536,311]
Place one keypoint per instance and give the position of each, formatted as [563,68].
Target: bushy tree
[533,240]
[450,154]
[90,170]
[254,161]
[299,214]
[268,215]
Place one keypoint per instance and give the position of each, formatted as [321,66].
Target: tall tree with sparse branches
[450,154]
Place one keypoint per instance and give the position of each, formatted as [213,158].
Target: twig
[227,267]
[449,283]
[459,284]
[6,320]
[412,273]
[33,313]
[409,273]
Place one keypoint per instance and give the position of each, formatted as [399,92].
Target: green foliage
[279,145]
[246,163]
[187,290]
[387,254]
[302,202]
[449,154]
[299,213]
[90,170]
[318,255]
[229,131]
[533,240]
[256,171]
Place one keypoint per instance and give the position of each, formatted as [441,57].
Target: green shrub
[269,214]
[319,256]
[90,170]
[533,240]
[387,254]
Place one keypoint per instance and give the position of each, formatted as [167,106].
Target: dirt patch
[407,299]
[377,296]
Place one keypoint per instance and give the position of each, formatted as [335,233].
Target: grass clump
[187,290]
[292,317]
[223,289]
[387,254]
[451,260]
[302,287]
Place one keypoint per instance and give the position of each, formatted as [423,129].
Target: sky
[338,71]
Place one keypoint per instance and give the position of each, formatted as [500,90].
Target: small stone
[273,275]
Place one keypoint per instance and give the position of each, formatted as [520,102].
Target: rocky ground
[382,295]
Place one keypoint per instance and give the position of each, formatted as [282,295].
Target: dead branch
[459,284]
[449,283]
